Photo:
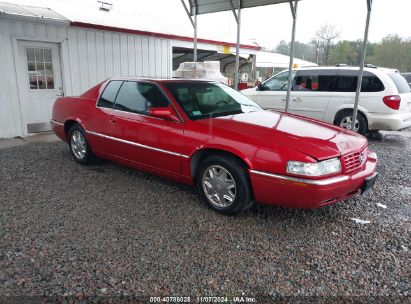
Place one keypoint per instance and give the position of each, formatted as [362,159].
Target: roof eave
[159,35]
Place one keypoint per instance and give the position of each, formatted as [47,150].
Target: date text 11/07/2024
[205,299]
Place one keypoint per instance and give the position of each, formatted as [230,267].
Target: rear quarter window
[400,82]
[106,99]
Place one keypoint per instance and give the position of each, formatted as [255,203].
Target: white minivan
[328,93]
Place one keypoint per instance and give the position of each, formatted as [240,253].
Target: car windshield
[204,99]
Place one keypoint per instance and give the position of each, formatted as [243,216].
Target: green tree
[343,52]
[301,50]
[325,37]
[392,52]
[283,48]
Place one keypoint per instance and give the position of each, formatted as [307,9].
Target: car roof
[367,68]
[136,78]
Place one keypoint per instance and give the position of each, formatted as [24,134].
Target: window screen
[40,68]
[138,97]
[109,95]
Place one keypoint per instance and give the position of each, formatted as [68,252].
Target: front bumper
[292,192]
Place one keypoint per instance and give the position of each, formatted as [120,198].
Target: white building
[48,52]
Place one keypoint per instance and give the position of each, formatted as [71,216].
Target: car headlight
[314,169]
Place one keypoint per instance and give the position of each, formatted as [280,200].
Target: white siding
[87,58]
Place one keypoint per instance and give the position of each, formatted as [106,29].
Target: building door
[39,76]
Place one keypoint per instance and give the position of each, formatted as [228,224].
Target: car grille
[352,161]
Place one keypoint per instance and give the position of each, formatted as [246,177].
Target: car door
[312,90]
[140,138]
[272,93]
[100,126]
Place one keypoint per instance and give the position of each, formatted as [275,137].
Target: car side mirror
[167,113]
[261,87]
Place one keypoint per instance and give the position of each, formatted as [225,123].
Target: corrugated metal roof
[89,15]
[29,11]
[213,6]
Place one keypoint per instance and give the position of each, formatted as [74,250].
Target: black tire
[85,155]
[237,173]
[344,116]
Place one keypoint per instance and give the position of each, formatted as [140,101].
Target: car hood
[311,137]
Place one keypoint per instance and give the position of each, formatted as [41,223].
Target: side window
[314,80]
[347,82]
[109,94]
[371,84]
[138,97]
[278,82]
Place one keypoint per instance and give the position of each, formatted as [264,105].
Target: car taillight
[392,101]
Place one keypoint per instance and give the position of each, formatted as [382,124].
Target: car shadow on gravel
[262,211]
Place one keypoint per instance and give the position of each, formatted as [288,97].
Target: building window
[40,68]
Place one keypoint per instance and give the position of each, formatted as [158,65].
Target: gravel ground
[108,232]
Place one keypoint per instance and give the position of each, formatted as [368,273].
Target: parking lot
[111,231]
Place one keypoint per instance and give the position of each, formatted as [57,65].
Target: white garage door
[39,83]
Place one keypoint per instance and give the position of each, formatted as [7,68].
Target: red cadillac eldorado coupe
[206,134]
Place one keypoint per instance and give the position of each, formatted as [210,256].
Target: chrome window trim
[55,122]
[319,182]
[137,144]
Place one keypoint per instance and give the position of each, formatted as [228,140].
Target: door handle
[112,121]
[284,99]
[297,99]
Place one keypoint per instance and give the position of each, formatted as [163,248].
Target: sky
[270,24]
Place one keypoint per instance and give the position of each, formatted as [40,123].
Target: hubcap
[78,144]
[219,186]
[346,123]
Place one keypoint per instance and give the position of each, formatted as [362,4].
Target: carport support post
[195,34]
[362,63]
[237,49]
[290,67]
[193,23]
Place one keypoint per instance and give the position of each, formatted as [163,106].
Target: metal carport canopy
[212,6]
[198,7]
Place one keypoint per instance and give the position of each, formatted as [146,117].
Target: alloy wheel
[219,186]
[78,145]
[346,123]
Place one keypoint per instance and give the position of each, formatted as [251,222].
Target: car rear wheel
[344,120]
[79,146]
[224,185]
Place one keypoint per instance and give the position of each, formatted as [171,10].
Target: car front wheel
[224,185]
[79,146]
